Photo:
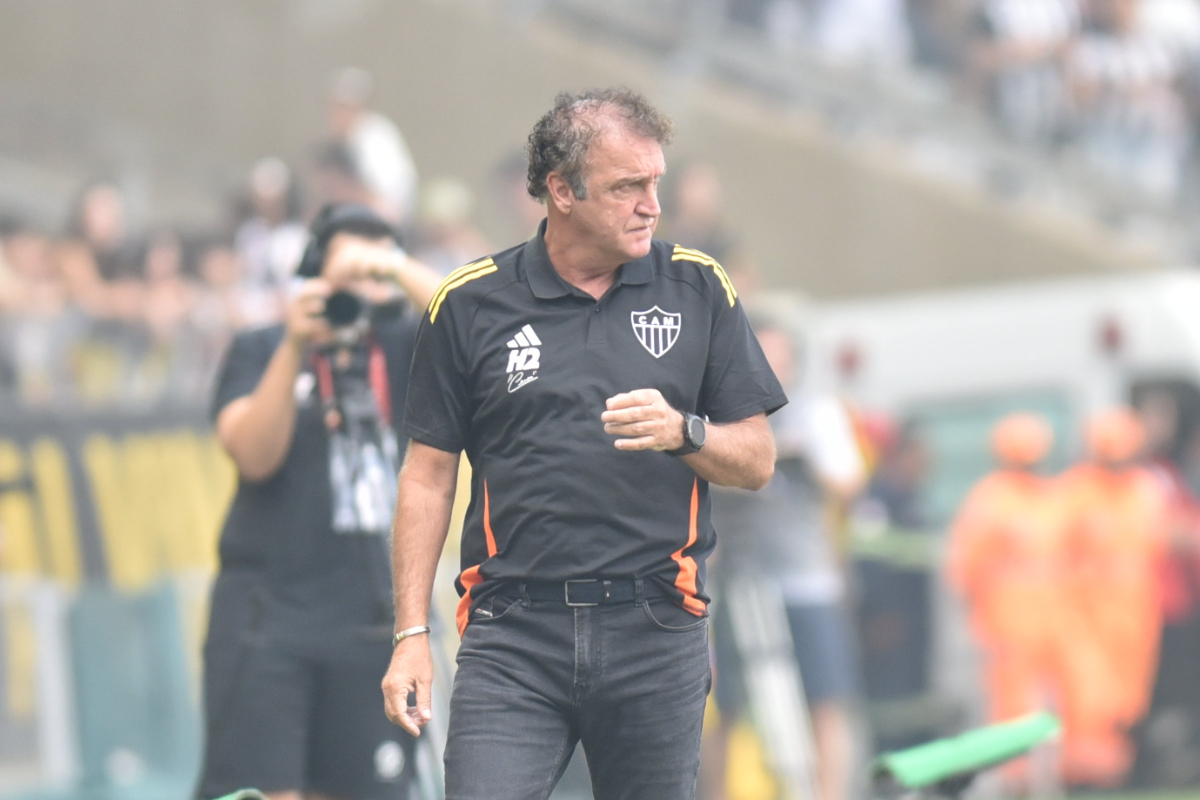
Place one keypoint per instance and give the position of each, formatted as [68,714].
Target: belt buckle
[567,592]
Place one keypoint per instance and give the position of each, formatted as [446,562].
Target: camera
[349,316]
[345,309]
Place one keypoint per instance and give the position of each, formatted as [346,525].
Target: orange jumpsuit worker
[1005,558]
[1115,537]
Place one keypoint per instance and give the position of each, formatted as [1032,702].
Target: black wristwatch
[694,432]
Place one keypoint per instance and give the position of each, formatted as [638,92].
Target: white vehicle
[952,362]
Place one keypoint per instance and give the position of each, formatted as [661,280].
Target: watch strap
[689,444]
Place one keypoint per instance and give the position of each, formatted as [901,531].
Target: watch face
[696,431]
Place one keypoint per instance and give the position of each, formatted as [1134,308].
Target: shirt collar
[546,283]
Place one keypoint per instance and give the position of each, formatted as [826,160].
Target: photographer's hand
[256,430]
[305,320]
[368,267]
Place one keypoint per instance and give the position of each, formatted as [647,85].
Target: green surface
[967,753]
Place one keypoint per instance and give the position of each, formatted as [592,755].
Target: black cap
[337,218]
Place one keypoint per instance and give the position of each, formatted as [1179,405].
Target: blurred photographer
[301,620]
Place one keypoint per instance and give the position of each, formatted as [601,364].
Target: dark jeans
[534,678]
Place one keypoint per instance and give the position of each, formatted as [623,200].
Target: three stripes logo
[656,329]
[524,358]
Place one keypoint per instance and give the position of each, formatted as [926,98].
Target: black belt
[583,592]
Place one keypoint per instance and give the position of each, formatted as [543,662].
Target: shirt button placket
[596,334]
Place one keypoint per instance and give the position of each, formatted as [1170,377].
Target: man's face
[620,212]
[345,252]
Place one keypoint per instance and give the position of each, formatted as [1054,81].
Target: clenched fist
[645,419]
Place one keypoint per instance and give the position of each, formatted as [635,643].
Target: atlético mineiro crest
[656,329]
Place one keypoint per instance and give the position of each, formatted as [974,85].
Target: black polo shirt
[514,365]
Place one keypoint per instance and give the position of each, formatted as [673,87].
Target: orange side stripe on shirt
[685,582]
[471,577]
[487,521]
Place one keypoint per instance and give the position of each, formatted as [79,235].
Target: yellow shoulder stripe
[457,278]
[686,254]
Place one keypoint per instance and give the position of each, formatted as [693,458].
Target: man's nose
[649,206]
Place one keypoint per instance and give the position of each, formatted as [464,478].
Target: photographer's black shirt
[514,365]
[279,530]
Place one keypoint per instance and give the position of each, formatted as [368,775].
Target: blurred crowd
[99,312]
[1117,81]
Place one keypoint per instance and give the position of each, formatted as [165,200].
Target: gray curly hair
[561,138]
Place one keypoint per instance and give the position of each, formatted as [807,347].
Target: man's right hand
[305,320]
[411,671]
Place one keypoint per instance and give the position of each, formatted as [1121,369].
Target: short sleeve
[436,413]
[245,362]
[738,381]
[398,336]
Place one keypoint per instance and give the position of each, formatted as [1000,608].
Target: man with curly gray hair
[599,380]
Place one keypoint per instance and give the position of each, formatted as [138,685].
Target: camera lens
[343,308]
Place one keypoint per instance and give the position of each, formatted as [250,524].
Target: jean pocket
[491,609]
[670,616]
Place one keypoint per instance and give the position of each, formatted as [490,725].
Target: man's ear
[560,193]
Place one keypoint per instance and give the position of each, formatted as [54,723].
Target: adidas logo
[524,358]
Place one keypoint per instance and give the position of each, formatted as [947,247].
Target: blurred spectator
[99,260]
[894,592]
[169,295]
[37,327]
[336,177]
[894,493]
[863,32]
[844,32]
[940,34]
[1017,63]
[270,242]
[693,216]
[221,308]
[782,534]
[1116,534]
[377,149]
[1159,413]
[1169,743]
[100,225]
[220,301]
[1133,122]
[1006,560]
[10,282]
[10,298]
[446,237]
[522,214]
[177,345]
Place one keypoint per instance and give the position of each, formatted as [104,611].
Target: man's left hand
[645,419]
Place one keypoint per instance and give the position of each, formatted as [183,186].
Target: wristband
[407,632]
